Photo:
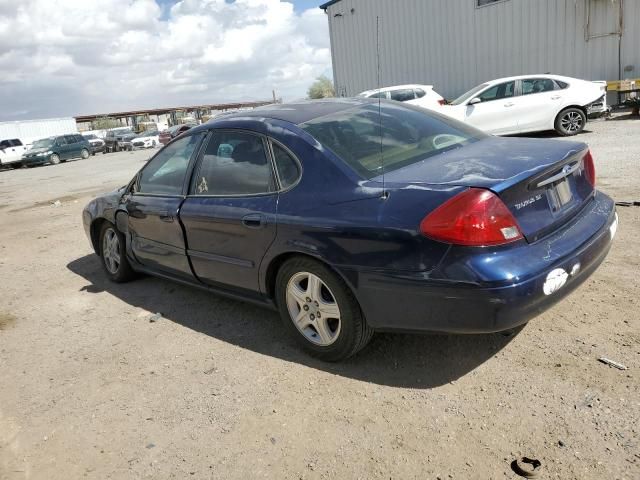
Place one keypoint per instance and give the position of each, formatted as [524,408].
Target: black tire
[123,272]
[570,121]
[84,153]
[353,334]
[16,165]
[54,159]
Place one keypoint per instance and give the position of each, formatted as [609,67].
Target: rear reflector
[589,168]
[442,101]
[475,217]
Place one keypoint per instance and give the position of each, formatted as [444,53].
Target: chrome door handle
[556,97]
[510,104]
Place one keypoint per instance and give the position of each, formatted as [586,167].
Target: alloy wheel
[313,309]
[571,122]
[111,250]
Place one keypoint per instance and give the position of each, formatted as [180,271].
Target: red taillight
[442,101]
[589,168]
[475,217]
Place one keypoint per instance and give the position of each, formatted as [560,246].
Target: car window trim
[296,160]
[135,184]
[196,170]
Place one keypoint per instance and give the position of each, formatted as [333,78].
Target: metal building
[457,44]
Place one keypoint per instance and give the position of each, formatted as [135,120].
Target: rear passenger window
[561,85]
[537,85]
[234,163]
[16,143]
[419,92]
[379,95]
[403,95]
[288,170]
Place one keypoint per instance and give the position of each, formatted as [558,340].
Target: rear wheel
[570,121]
[54,159]
[318,308]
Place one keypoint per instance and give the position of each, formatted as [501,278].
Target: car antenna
[384,190]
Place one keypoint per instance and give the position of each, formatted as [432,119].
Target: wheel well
[579,107]
[277,262]
[95,228]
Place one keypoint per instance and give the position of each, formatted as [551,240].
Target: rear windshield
[373,141]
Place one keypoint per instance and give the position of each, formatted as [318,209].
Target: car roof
[297,112]
[395,87]
[524,77]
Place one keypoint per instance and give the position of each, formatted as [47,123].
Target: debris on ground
[57,203]
[617,365]
[527,467]
[155,317]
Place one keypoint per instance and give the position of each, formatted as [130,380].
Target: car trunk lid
[544,183]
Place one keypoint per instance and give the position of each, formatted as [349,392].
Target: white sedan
[528,103]
[421,95]
[148,139]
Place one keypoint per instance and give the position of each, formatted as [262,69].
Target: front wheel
[84,153]
[570,121]
[319,309]
[54,159]
[113,254]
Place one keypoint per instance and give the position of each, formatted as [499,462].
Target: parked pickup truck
[118,139]
[11,151]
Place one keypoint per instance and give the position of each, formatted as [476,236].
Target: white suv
[421,95]
[11,152]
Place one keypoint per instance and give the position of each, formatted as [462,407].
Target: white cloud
[79,57]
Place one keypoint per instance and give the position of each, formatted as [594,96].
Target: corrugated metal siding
[29,131]
[455,46]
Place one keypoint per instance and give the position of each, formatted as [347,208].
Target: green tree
[321,88]
[104,123]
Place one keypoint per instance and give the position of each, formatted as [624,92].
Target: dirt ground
[91,388]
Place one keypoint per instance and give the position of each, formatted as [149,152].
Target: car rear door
[538,103]
[61,147]
[154,233]
[73,147]
[494,113]
[229,216]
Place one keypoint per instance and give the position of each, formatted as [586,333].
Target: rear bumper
[487,290]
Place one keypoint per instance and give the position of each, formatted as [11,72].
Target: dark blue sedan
[351,216]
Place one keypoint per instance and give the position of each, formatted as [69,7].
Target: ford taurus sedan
[351,217]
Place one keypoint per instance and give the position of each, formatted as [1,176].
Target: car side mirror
[474,101]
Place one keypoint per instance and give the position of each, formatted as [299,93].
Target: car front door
[538,104]
[229,215]
[155,236]
[494,113]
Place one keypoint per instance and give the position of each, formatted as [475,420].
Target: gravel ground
[91,388]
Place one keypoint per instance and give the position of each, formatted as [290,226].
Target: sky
[79,57]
